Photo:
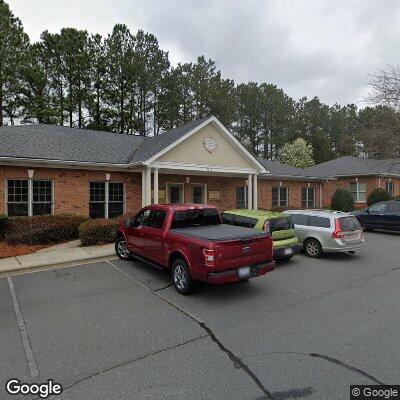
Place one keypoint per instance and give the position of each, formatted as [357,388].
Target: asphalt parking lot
[118,330]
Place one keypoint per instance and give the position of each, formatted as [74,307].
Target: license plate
[244,272]
[286,252]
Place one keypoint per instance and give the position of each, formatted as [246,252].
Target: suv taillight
[266,227]
[208,257]
[337,233]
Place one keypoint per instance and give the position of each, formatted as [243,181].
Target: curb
[54,265]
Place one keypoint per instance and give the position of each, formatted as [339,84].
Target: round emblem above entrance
[210,144]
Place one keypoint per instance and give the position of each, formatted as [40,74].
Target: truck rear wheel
[181,277]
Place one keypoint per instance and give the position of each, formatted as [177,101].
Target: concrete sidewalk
[56,256]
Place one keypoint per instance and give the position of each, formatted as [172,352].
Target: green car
[280,225]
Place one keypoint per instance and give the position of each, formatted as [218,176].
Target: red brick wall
[71,187]
[265,192]
[372,183]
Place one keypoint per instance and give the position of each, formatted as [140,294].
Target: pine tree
[14,44]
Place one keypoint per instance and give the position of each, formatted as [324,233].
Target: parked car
[384,215]
[279,225]
[192,241]
[322,231]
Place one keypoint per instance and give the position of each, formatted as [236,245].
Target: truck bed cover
[220,233]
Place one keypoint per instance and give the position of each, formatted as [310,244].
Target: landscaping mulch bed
[7,250]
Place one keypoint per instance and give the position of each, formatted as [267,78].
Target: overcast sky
[322,48]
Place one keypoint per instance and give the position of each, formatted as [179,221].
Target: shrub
[98,231]
[3,225]
[342,200]
[378,195]
[43,229]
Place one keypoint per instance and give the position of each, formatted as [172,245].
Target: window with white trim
[308,197]
[390,187]
[115,199]
[280,196]
[42,199]
[99,202]
[359,191]
[19,199]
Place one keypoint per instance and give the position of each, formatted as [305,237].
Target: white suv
[323,231]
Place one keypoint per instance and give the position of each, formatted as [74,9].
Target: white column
[155,185]
[30,192]
[250,192]
[107,194]
[148,186]
[255,195]
[143,188]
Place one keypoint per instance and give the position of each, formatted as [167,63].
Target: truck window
[195,217]
[143,219]
[157,219]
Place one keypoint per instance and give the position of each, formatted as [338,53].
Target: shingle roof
[351,166]
[51,142]
[154,144]
[276,168]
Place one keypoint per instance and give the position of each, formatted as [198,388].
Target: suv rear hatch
[351,230]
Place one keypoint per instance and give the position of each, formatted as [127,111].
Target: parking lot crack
[237,361]
[331,360]
[163,288]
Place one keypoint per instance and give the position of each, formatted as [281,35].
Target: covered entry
[206,165]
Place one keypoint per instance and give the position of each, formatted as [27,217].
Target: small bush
[279,208]
[342,200]
[43,229]
[378,195]
[3,225]
[98,231]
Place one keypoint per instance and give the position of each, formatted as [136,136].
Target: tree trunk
[61,104]
[121,104]
[97,117]
[80,125]
[70,104]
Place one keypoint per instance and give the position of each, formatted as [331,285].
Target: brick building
[52,169]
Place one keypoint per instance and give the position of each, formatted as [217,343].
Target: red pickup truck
[192,241]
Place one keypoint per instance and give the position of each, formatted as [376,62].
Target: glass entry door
[198,194]
[175,193]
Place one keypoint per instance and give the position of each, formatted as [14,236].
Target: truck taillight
[337,233]
[208,257]
[266,227]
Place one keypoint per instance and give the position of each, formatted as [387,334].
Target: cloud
[309,48]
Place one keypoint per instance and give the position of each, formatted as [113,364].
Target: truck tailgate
[242,252]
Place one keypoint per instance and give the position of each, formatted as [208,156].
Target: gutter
[16,160]
[299,177]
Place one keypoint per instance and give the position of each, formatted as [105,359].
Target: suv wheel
[121,249]
[313,248]
[181,277]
